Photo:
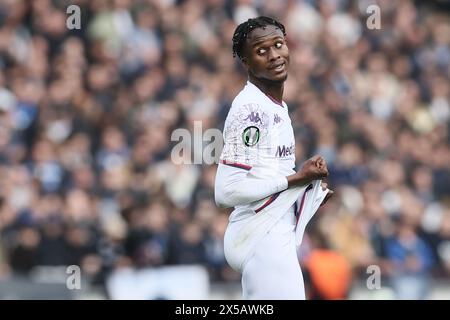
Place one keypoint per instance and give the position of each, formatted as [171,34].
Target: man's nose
[273,54]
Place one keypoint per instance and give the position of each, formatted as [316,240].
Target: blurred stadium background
[86,116]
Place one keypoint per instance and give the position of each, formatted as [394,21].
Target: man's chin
[279,78]
[284,77]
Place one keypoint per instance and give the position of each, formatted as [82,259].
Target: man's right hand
[314,168]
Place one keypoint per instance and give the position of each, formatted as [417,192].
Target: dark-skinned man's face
[266,55]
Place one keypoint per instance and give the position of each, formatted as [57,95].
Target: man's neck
[271,88]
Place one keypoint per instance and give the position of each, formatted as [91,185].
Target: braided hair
[242,31]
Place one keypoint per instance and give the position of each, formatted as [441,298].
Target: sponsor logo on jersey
[250,136]
[283,151]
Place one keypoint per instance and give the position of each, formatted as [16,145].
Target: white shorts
[273,271]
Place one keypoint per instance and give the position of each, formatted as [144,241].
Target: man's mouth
[278,67]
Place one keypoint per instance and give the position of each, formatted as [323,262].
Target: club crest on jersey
[250,136]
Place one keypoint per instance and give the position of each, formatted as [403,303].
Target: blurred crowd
[86,117]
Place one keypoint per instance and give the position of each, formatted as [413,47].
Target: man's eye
[261,51]
[278,45]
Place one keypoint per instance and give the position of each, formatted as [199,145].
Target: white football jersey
[258,135]
[258,155]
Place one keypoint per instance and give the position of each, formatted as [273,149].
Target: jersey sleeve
[238,186]
[245,134]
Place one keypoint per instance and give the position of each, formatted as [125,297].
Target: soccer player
[272,202]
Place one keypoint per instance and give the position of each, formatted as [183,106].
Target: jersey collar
[273,100]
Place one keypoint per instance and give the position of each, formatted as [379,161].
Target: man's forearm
[235,187]
[297,179]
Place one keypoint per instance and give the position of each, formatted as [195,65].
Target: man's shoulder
[247,115]
[248,97]
[248,109]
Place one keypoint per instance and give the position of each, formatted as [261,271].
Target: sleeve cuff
[281,184]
